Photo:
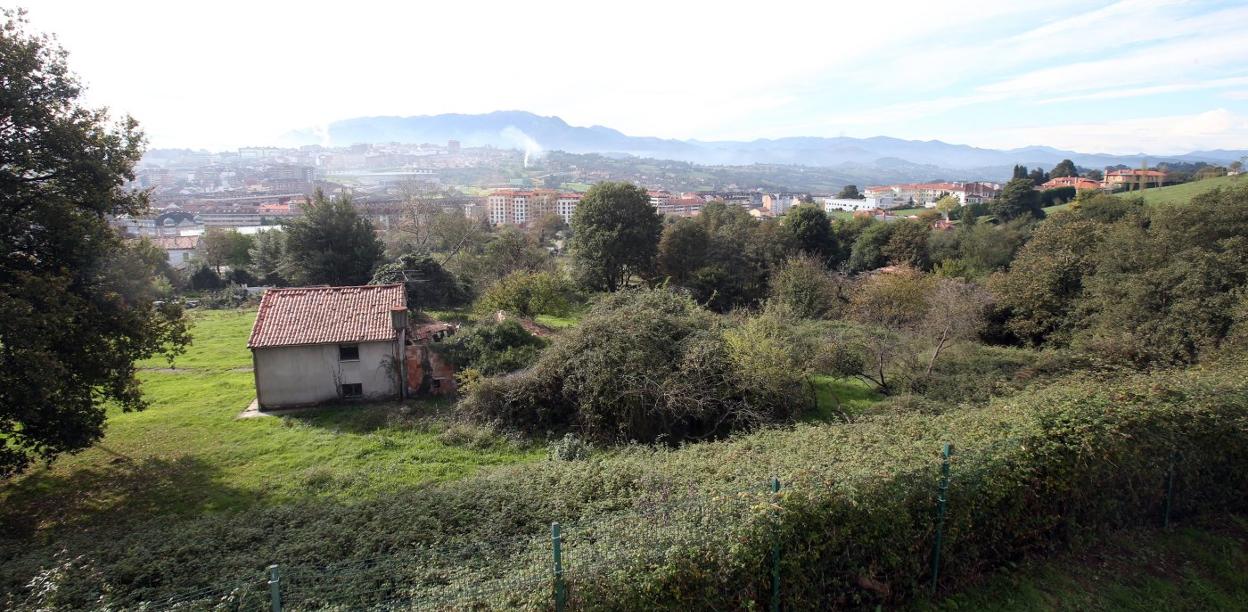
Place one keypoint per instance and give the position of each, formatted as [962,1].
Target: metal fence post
[275,588]
[561,590]
[941,500]
[1169,490]
[775,548]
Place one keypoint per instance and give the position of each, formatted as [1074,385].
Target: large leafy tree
[1018,198]
[268,250]
[810,232]
[331,244]
[76,303]
[1064,168]
[428,284]
[615,235]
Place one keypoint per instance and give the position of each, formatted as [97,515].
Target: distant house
[1133,179]
[317,344]
[1078,182]
[180,250]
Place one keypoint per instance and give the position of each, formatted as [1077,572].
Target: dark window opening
[350,390]
[349,352]
[437,383]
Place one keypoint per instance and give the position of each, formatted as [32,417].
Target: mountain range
[882,156]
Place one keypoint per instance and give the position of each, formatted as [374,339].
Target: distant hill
[879,156]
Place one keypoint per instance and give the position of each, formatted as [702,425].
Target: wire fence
[558,569]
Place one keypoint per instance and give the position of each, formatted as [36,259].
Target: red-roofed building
[1078,182]
[311,345]
[1134,179]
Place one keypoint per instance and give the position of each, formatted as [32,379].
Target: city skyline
[1097,77]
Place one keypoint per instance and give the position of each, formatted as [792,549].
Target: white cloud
[1151,90]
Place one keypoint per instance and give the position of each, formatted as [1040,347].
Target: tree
[225,247]
[76,304]
[545,228]
[427,283]
[683,249]
[1038,176]
[850,192]
[1064,168]
[907,245]
[1095,175]
[869,248]
[956,311]
[331,244]
[947,204]
[1020,172]
[807,290]
[1019,198]
[615,235]
[268,250]
[890,307]
[810,232]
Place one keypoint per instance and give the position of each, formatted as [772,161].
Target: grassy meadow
[189,454]
[1182,193]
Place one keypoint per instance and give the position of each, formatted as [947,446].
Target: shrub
[492,348]
[528,294]
[808,289]
[643,365]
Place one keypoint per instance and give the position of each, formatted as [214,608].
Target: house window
[349,352]
[352,390]
[437,383]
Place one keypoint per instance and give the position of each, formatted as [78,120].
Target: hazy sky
[1119,77]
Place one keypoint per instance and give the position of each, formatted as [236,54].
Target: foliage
[1018,198]
[907,244]
[1130,285]
[529,294]
[222,247]
[268,250]
[330,244]
[427,283]
[808,290]
[809,231]
[692,526]
[492,348]
[1064,168]
[643,365]
[204,278]
[976,250]
[76,304]
[869,251]
[1057,196]
[615,236]
[723,257]
[850,192]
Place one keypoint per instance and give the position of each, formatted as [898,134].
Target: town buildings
[521,206]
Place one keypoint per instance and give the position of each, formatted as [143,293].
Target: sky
[1159,77]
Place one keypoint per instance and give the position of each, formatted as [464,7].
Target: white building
[180,250]
[831,204]
[311,345]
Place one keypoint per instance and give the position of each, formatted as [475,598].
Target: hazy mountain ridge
[524,130]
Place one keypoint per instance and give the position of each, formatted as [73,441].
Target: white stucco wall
[302,375]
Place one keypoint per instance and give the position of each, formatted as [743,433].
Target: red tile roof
[321,315]
[171,243]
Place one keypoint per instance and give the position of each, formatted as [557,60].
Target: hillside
[1179,194]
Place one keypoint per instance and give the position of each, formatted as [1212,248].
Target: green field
[188,454]
[1180,194]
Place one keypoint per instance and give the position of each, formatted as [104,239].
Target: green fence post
[775,548]
[275,588]
[561,590]
[941,499]
[1169,490]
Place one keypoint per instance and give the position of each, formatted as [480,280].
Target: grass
[188,454]
[1181,194]
[1202,566]
[839,396]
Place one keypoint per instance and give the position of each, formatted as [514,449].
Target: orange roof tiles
[321,315]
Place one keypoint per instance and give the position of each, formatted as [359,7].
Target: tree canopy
[615,235]
[331,244]
[76,303]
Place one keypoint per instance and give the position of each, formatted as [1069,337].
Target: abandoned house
[318,344]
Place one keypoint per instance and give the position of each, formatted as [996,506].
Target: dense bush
[642,365]
[492,348]
[693,527]
[528,294]
[428,284]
